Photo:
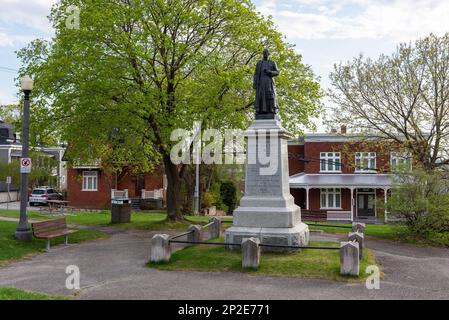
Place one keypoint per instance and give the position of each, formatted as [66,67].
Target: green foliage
[422,199]
[16,294]
[147,67]
[11,114]
[228,193]
[207,200]
[41,173]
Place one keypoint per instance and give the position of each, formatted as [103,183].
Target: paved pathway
[114,268]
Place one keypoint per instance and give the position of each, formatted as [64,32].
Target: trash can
[121,211]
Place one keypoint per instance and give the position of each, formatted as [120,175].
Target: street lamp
[23,231]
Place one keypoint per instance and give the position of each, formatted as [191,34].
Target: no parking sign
[25,165]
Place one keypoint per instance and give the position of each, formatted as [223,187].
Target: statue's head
[266,54]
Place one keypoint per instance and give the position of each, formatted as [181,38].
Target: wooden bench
[51,229]
[308,215]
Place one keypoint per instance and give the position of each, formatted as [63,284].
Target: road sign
[25,165]
[8,180]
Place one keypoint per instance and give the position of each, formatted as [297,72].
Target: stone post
[358,227]
[160,248]
[196,235]
[214,228]
[358,237]
[349,258]
[250,253]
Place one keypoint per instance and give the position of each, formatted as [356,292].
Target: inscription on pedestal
[276,240]
[262,185]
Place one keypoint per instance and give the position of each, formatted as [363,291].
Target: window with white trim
[400,161]
[365,161]
[330,162]
[90,180]
[330,198]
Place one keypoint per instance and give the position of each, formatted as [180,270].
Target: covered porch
[341,197]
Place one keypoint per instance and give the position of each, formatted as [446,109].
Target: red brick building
[339,177]
[90,186]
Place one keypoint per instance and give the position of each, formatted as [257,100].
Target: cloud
[398,20]
[8,40]
[30,14]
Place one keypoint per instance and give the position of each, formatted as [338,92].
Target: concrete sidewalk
[114,268]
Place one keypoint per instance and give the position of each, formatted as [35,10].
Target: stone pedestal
[267,211]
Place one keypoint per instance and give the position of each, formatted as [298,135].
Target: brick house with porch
[91,186]
[337,177]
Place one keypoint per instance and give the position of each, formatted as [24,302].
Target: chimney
[343,129]
[333,130]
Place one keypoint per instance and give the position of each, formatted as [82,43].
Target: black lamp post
[23,231]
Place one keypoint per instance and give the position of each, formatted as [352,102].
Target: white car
[40,195]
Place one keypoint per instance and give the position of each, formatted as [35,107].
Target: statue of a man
[266,102]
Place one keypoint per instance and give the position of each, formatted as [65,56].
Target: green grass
[158,221]
[16,294]
[385,231]
[11,249]
[322,264]
[139,220]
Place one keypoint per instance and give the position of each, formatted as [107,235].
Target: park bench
[309,215]
[51,229]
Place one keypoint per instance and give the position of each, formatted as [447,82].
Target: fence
[12,196]
[351,252]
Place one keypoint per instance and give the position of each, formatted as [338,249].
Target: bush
[228,192]
[207,200]
[422,199]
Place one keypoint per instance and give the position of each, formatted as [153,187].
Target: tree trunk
[173,189]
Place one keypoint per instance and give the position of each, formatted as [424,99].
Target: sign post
[8,183]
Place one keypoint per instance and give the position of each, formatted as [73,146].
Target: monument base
[296,236]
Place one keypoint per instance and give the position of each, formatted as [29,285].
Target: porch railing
[153,194]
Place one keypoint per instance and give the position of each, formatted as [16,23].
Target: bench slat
[50,227]
[55,234]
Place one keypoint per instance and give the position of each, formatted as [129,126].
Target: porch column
[385,201]
[352,204]
[307,198]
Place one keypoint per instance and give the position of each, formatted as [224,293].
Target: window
[365,161]
[330,162]
[400,161]
[90,179]
[330,198]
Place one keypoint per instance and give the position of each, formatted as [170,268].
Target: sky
[325,32]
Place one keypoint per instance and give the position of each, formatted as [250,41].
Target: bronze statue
[266,102]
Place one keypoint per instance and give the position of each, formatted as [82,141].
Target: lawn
[139,220]
[385,231]
[322,264]
[11,249]
[16,294]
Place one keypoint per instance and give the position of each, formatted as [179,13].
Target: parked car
[40,195]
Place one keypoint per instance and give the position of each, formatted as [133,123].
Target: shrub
[228,192]
[422,199]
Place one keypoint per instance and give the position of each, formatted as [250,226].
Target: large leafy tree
[402,98]
[146,67]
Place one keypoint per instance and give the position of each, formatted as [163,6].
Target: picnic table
[60,206]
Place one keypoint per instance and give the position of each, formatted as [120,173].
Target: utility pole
[197,152]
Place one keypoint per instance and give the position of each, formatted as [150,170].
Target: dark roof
[6,132]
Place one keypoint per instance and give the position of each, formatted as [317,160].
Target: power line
[10,70]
